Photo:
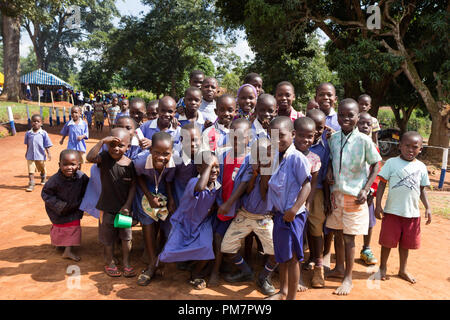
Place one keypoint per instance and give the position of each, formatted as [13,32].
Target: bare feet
[335,273]
[301,285]
[381,274]
[213,280]
[277,296]
[406,276]
[345,288]
[68,254]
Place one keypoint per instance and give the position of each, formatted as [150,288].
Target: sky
[135,8]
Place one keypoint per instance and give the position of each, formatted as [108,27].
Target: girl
[285,95]
[246,99]
[78,132]
[255,80]
[191,237]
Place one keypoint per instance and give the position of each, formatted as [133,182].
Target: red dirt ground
[30,268]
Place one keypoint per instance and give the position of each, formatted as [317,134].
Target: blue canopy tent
[43,80]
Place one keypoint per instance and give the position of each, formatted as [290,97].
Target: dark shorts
[396,230]
[372,219]
[107,233]
[288,237]
[220,226]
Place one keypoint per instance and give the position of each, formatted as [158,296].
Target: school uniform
[185,169]
[73,130]
[191,236]
[37,142]
[62,196]
[144,167]
[257,131]
[200,122]
[122,114]
[214,138]
[149,128]
[208,110]
[284,186]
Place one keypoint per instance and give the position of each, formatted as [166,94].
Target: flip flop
[198,284]
[112,272]
[145,278]
[129,272]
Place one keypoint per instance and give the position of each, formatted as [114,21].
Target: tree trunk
[439,130]
[11,57]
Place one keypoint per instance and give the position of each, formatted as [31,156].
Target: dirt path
[30,268]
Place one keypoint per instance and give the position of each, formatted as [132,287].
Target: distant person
[365,104]
[196,78]
[28,92]
[113,110]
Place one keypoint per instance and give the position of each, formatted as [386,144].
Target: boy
[38,143]
[196,78]
[285,96]
[214,138]
[253,215]
[113,110]
[289,188]
[192,100]
[152,110]
[118,180]
[312,104]
[326,99]
[365,103]
[407,179]
[319,203]
[365,126]
[62,195]
[265,110]
[350,151]
[78,132]
[209,89]
[99,116]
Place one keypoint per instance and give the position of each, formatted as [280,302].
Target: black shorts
[107,233]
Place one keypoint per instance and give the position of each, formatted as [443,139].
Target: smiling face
[247,99]
[161,153]
[326,97]
[410,146]
[152,110]
[304,137]
[117,149]
[209,89]
[137,111]
[69,164]
[197,80]
[285,136]
[127,124]
[348,115]
[166,111]
[241,137]
[226,111]
[285,96]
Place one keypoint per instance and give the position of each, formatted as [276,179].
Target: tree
[94,76]
[28,63]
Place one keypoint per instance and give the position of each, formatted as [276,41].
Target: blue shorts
[220,226]
[372,219]
[288,237]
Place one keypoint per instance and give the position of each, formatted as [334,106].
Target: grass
[19,111]
[440,205]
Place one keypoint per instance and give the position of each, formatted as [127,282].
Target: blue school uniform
[257,131]
[94,187]
[144,167]
[200,122]
[191,236]
[74,130]
[253,202]
[185,169]
[322,149]
[122,114]
[284,186]
[150,127]
[37,142]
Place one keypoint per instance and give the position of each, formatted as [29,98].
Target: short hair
[240,121]
[285,83]
[161,136]
[195,73]
[304,122]
[75,107]
[263,97]
[325,84]
[136,101]
[223,97]
[190,126]
[411,134]
[120,132]
[364,114]
[251,76]
[127,118]
[347,101]
[281,121]
[67,152]
[36,115]
[365,95]
[211,78]
[151,103]
[191,89]
[312,113]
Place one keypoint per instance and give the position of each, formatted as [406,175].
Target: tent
[39,77]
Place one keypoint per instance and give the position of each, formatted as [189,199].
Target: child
[209,89]
[192,100]
[155,170]
[164,122]
[138,110]
[365,103]
[38,143]
[191,237]
[265,111]
[184,159]
[285,95]
[230,162]
[152,110]
[78,132]
[246,99]
[256,81]
[214,138]
[196,78]
[118,181]
[312,104]
[289,188]
[62,195]
[113,110]
[326,99]
[88,113]
[99,116]
[400,216]
[365,126]
[253,215]
[318,204]
[350,151]
[124,109]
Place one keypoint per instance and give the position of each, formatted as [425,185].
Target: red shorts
[400,230]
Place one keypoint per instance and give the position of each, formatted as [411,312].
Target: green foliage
[93,76]
[231,82]
[28,63]
[417,122]
[146,95]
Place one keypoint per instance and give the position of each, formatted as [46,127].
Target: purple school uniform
[74,130]
[94,187]
[257,131]
[144,167]
[191,236]
[200,122]
[284,186]
[37,142]
[253,202]
[185,169]
[150,127]
[323,151]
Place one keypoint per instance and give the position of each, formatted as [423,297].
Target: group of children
[207,174]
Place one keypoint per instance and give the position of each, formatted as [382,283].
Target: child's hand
[153,201]
[329,177]
[125,211]
[379,213]
[109,139]
[369,199]
[428,216]
[180,110]
[224,208]
[362,197]
[145,143]
[327,207]
[289,215]
[79,138]
[61,141]
[330,131]
[175,123]
[207,124]
[171,207]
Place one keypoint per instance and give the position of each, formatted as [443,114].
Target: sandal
[129,272]
[145,277]
[112,272]
[198,284]
[30,187]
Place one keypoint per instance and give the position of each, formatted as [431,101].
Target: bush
[417,122]
[146,95]
[386,118]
